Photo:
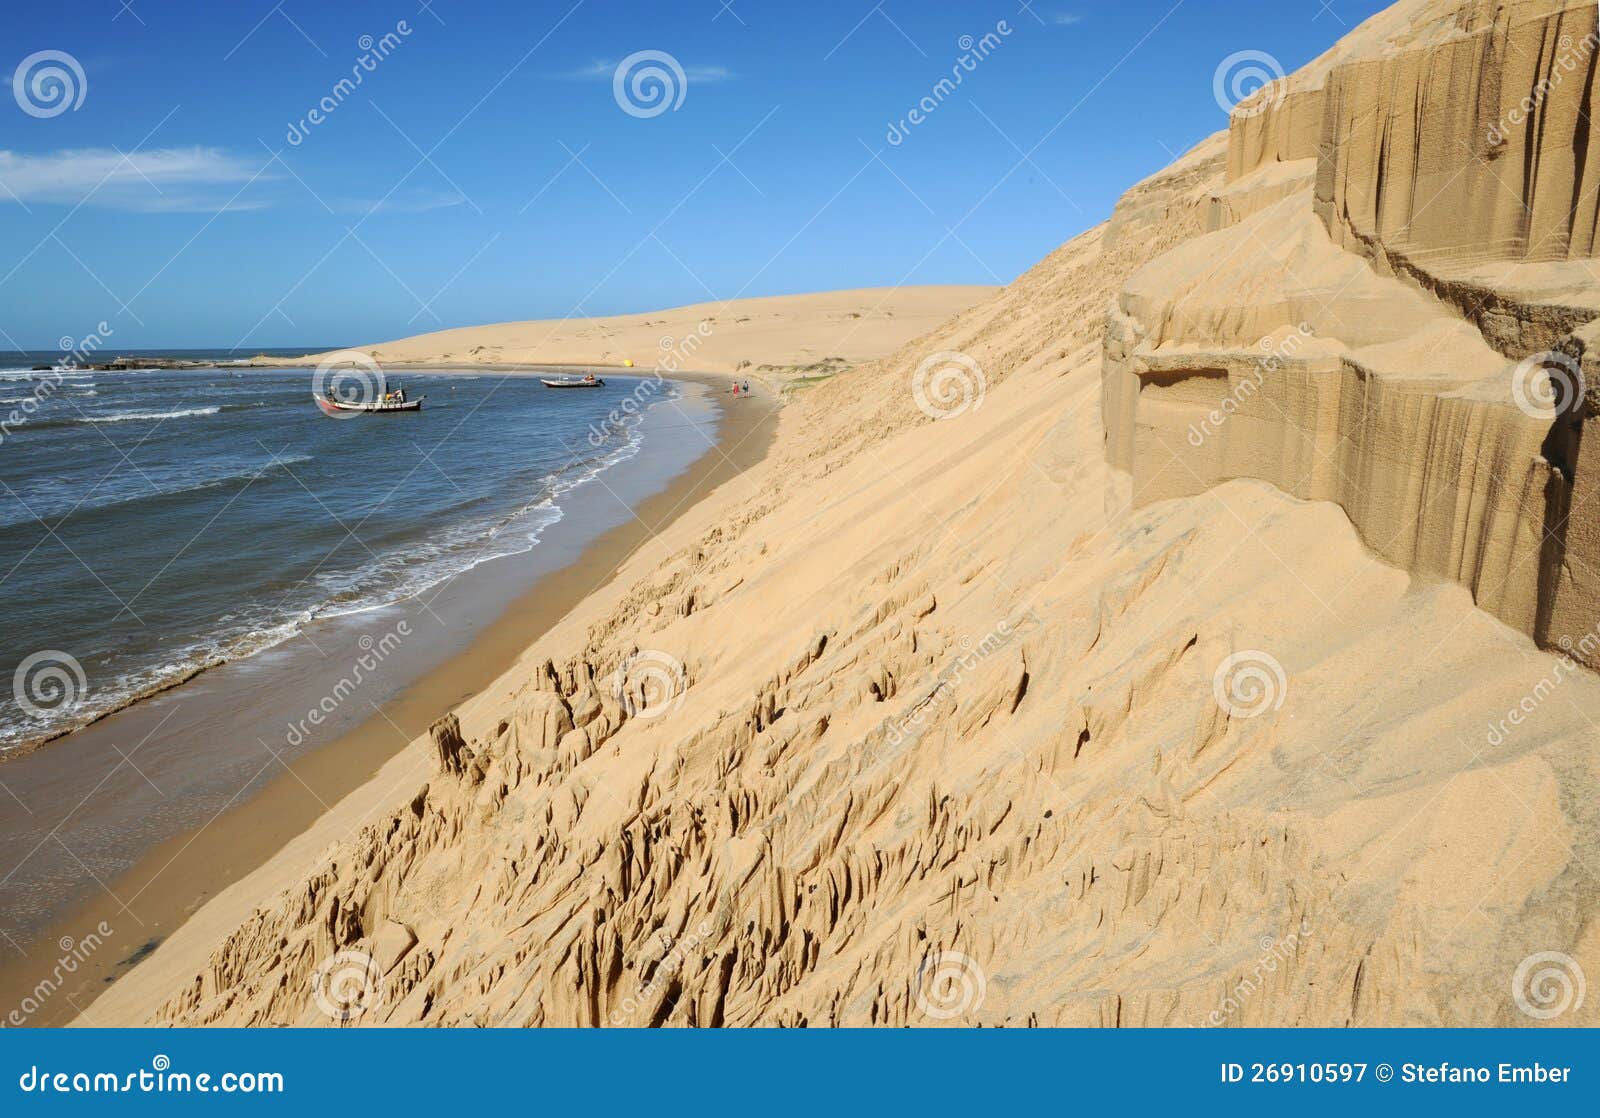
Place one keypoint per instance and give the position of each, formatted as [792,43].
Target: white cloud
[160,180]
[605,71]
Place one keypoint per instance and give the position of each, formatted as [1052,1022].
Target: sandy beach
[104,861]
[140,906]
[1200,630]
[1062,667]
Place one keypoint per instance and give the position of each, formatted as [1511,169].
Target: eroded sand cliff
[1026,706]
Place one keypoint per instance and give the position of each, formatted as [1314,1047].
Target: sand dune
[723,337]
[993,696]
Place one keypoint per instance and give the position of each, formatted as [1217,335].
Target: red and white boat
[335,407]
[588,381]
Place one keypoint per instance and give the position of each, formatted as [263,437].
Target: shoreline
[18,750]
[172,879]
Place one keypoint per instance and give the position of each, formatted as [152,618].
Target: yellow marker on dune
[627,364]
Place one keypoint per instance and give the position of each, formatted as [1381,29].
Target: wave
[127,416]
[186,482]
[58,419]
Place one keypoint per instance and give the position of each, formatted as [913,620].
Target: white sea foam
[125,416]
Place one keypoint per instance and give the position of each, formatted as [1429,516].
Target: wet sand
[269,787]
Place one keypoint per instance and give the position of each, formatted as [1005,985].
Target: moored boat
[587,381]
[333,404]
[332,407]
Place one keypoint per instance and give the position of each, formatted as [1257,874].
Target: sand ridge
[722,337]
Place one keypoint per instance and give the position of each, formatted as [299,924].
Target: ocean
[153,523]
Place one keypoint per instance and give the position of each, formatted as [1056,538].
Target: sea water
[156,522]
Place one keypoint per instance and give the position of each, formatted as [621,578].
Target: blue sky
[484,169]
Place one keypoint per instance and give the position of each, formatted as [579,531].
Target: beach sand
[172,879]
[1101,657]
[734,336]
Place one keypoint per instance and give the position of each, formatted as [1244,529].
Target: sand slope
[1017,706]
[716,337]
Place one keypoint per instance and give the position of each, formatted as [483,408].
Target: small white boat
[589,381]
